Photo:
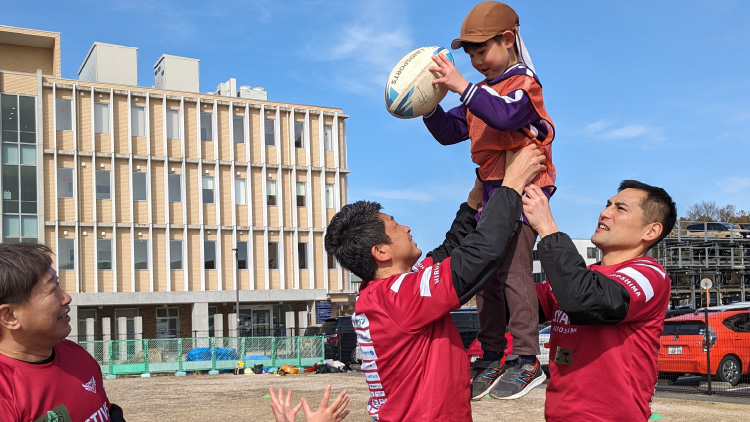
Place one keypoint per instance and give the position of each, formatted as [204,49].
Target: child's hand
[282,410]
[452,78]
[333,413]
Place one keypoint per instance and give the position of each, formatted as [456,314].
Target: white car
[543,355]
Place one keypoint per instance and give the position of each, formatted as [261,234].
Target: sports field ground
[228,397]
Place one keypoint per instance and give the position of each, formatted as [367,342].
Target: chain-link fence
[203,353]
[707,351]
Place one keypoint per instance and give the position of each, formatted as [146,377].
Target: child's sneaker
[485,374]
[517,380]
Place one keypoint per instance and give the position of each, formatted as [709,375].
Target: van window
[683,328]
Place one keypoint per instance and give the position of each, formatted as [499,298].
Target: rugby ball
[409,91]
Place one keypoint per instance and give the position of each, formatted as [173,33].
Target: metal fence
[706,352]
[146,356]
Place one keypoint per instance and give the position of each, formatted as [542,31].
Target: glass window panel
[302,250]
[137,121]
[270,129]
[10,184]
[11,225]
[8,104]
[10,153]
[175,187]
[331,262]
[28,114]
[28,184]
[300,194]
[28,207]
[28,155]
[103,190]
[104,254]
[239,192]
[140,256]
[273,262]
[101,117]
[209,255]
[175,254]
[139,186]
[329,195]
[328,137]
[206,126]
[66,254]
[208,190]
[27,137]
[28,226]
[64,183]
[173,124]
[271,192]
[238,129]
[298,134]
[242,255]
[63,120]
[10,136]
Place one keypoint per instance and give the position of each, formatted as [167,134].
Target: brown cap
[487,19]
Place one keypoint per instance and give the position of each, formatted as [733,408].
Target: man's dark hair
[657,206]
[351,234]
[21,266]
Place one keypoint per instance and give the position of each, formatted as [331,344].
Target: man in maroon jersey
[607,317]
[413,359]
[42,375]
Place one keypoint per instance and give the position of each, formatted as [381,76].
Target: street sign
[323,310]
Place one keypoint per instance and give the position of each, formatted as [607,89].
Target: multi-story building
[165,203]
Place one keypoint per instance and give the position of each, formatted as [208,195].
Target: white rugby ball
[409,91]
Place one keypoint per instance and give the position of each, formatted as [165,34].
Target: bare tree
[726,212]
[703,211]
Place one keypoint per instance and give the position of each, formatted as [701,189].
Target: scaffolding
[695,260]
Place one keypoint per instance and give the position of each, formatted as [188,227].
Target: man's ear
[8,318]
[653,231]
[381,252]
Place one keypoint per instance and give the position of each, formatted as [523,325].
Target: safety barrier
[145,356]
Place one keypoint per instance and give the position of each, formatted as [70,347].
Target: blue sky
[657,91]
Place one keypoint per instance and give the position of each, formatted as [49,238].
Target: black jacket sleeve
[476,259]
[462,225]
[588,297]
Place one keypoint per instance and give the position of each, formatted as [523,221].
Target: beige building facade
[169,205]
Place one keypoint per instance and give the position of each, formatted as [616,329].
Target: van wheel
[353,358]
[729,370]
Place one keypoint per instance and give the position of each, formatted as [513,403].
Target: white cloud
[732,185]
[605,130]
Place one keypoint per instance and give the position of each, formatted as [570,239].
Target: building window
[328,137]
[104,254]
[270,192]
[242,255]
[66,254]
[137,121]
[209,255]
[270,128]
[273,255]
[173,124]
[302,254]
[175,187]
[239,192]
[207,127]
[27,120]
[329,195]
[101,118]
[299,140]
[208,190]
[300,194]
[238,129]
[140,255]
[103,190]
[64,183]
[331,262]
[16,227]
[592,253]
[175,254]
[139,186]
[63,116]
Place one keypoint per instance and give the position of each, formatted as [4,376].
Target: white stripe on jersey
[517,95]
[397,285]
[470,94]
[424,284]
[640,279]
[649,264]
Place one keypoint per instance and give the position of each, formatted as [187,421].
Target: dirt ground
[228,397]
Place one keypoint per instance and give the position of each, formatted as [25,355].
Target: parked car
[475,349]
[685,342]
[543,355]
[745,226]
[340,339]
[720,229]
[467,323]
[312,330]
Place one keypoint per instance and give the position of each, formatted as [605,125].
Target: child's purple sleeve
[448,128]
[505,113]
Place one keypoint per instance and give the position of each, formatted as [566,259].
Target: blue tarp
[204,353]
